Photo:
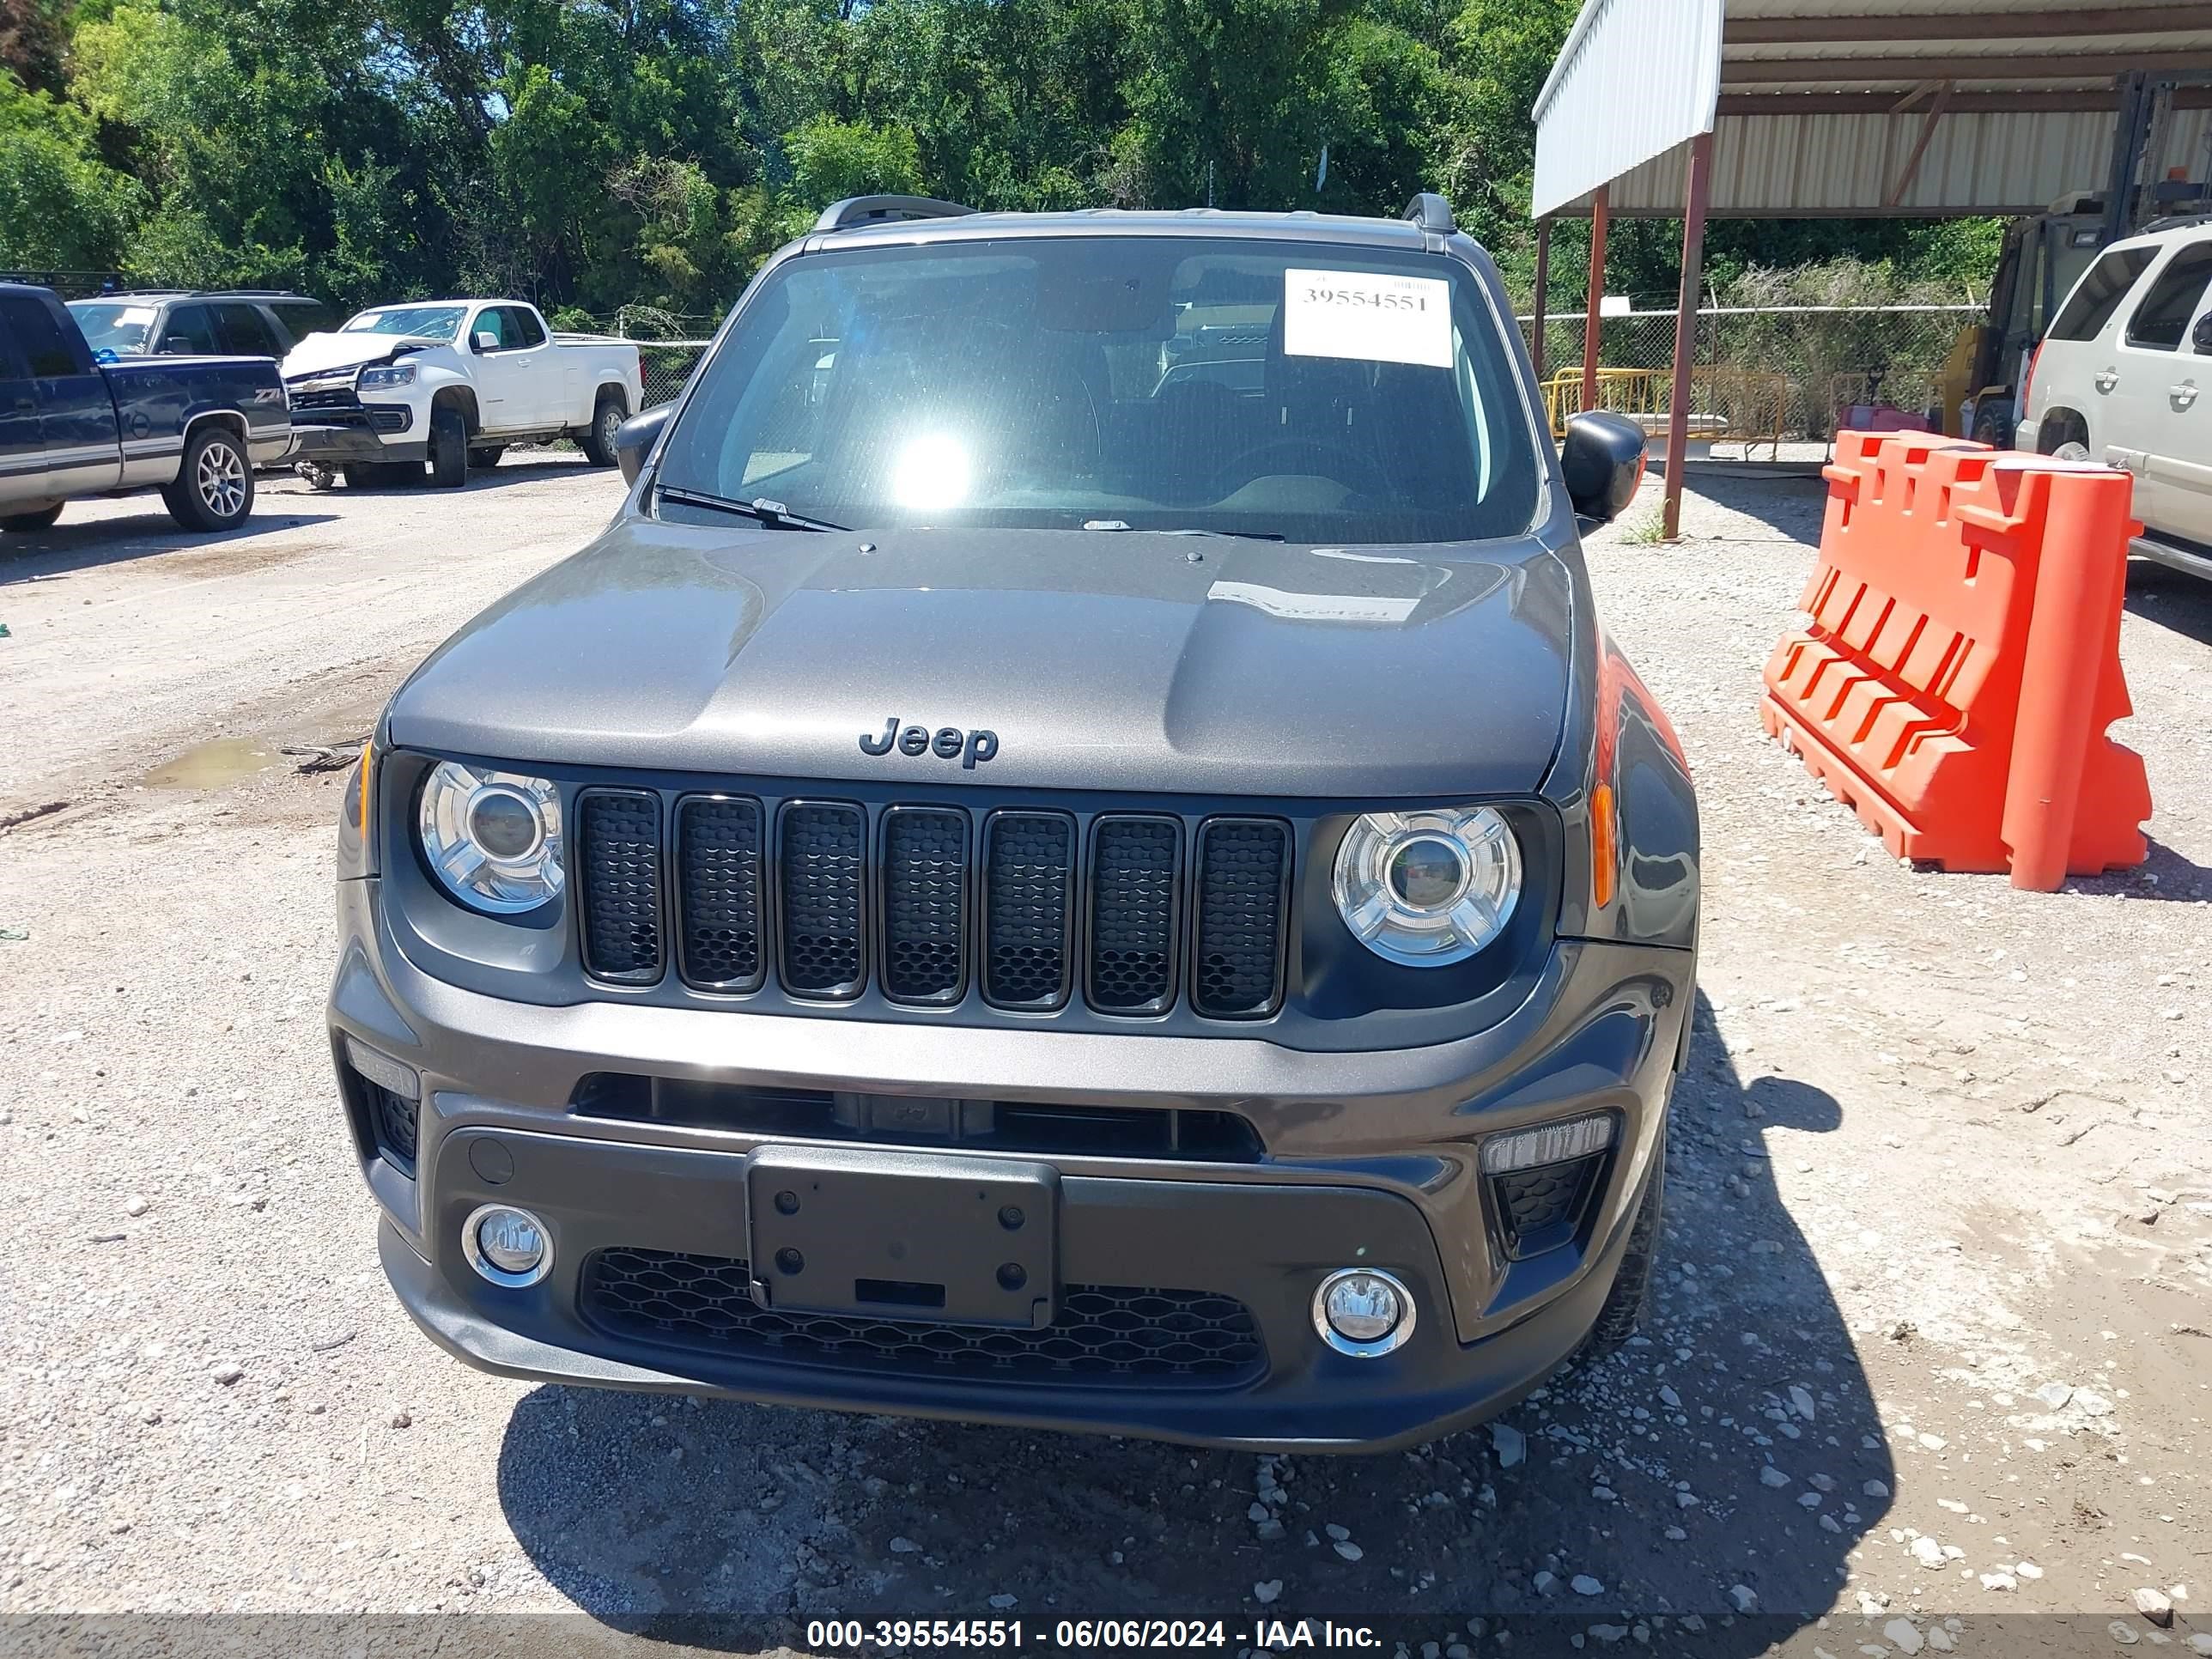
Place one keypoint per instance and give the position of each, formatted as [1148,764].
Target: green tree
[33,34]
[60,206]
[831,160]
[600,153]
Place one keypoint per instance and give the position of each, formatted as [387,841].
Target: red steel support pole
[1598,210]
[1685,326]
[1543,282]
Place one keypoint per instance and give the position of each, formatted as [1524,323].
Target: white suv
[2122,378]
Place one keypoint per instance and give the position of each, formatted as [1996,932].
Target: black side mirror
[2200,337]
[176,346]
[1602,461]
[633,439]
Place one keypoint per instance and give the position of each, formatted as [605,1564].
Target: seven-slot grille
[1020,906]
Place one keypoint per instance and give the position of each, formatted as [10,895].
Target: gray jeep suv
[1075,855]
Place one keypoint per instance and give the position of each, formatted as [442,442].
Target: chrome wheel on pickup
[214,486]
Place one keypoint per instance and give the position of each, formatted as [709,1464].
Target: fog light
[508,1246]
[1363,1312]
[1552,1143]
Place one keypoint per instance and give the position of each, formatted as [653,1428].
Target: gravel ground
[134,641]
[1931,1343]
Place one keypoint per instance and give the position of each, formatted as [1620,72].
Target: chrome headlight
[386,376]
[1428,889]
[493,838]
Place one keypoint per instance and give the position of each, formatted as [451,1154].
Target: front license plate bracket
[903,1236]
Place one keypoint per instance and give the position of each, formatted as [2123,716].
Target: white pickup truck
[452,382]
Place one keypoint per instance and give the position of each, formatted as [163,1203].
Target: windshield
[109,326]
[1315,392]
[424,322]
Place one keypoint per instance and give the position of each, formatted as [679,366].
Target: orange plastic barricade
[1963,659]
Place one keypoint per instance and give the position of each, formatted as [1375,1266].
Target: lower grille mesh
[1105,1334]
[821,893]
[618,849]
[1542,1208]
[392,1122]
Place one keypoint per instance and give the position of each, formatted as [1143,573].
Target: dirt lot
[1934,1340]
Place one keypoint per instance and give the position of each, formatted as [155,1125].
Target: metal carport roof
[1825,108]
[1835,108]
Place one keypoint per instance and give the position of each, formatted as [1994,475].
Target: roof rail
[880,210]
[1431,212]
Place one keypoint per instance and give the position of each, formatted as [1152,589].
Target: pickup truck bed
[194,428]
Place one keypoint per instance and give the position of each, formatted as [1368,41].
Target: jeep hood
[1118,661]
[320,354]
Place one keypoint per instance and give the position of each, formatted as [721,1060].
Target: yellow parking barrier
[1726,404]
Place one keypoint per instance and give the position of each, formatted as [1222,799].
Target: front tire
[449,448]
[606,420]
[24,524]
[1993,426]
[484,457]
[214,486]
[1632,1286]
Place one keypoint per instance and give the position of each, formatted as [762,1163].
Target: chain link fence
[665,365]
[1763,374]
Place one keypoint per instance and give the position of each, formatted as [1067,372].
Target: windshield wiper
[1240,535]
[774,514]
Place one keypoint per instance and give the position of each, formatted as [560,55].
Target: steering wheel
[1332,459]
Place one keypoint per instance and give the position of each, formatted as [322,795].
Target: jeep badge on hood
[949,743]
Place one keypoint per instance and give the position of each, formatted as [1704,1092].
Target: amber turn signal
[1604,851]
[364,784]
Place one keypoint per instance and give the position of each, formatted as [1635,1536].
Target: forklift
[2044,255]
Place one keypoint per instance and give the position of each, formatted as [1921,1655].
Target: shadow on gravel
[1642,1478]
[94,542]
[2164,875]
[511,470]
[2171,598]
[1790,499]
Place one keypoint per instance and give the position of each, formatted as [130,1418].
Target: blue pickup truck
[193,428]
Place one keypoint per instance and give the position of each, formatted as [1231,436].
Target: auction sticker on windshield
[1367,315]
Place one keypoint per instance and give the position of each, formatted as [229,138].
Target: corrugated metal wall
[1830,164]
[1636,78]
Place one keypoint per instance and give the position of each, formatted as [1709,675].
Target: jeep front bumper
[1362,1160]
